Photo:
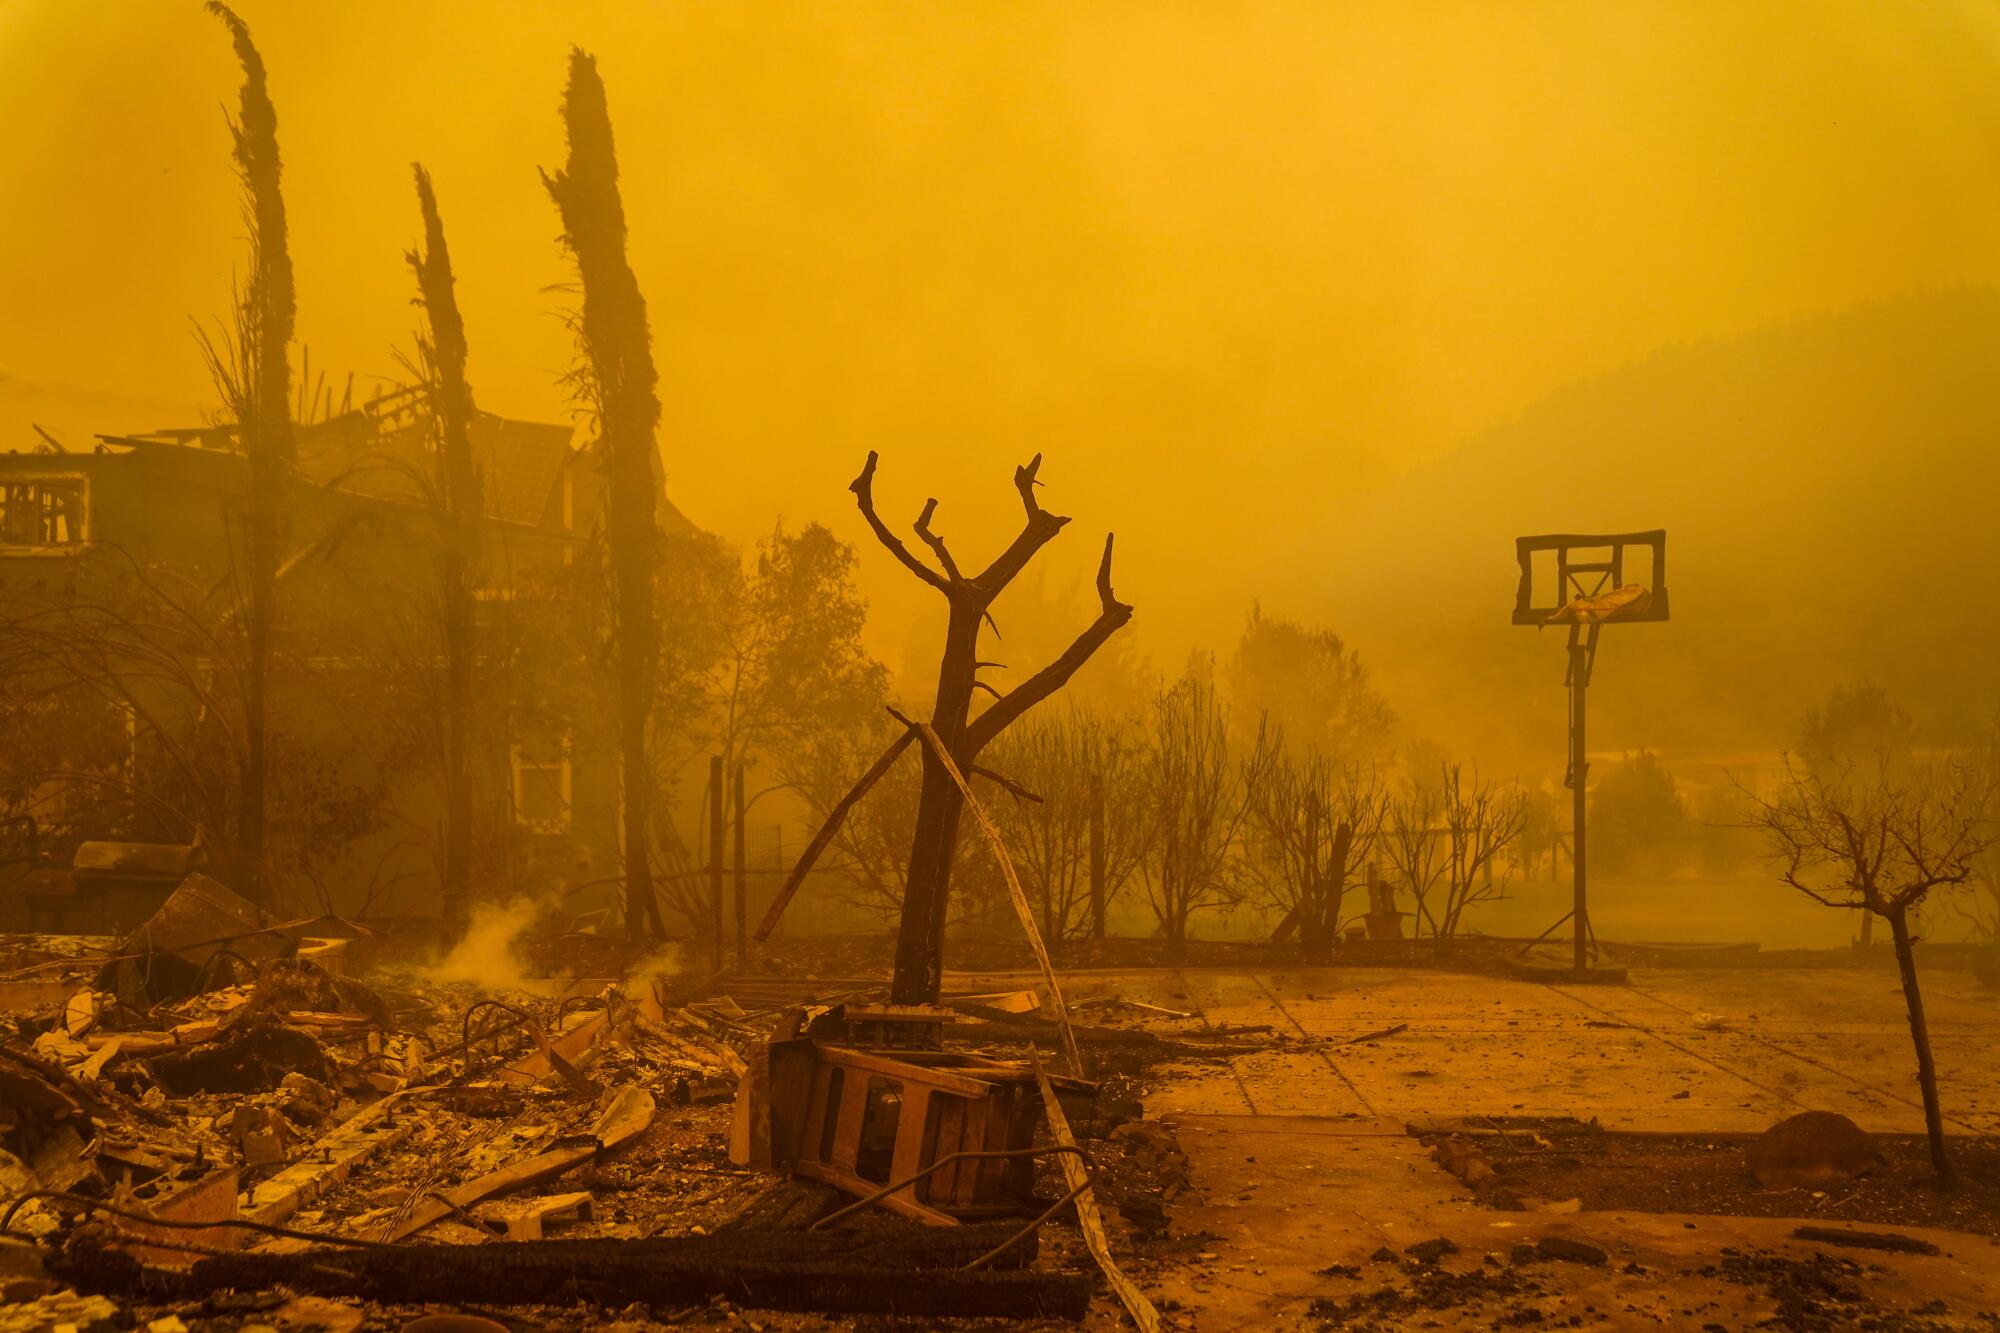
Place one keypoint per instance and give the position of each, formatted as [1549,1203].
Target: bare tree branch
[1111,617]
[1038,531]
[935,542]
[863,487]
[1007,784]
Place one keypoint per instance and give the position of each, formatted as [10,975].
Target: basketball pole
[1579,766]
[1588,592]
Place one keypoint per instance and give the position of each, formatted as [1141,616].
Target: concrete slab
[1677,1049]
[1285,1198]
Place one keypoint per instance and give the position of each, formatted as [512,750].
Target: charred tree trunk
[716,824]
[260,390]
[457,509]
[1321,926]
[742,873]
[1097,862]
[251,817]
[927,892]
[621,384]
[1906,963]
[1175,922]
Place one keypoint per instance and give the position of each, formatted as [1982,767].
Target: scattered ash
[1426,1287]
[1707,1173]
[1823,1294]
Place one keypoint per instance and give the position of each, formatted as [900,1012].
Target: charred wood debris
[216,1119]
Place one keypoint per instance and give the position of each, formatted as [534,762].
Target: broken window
[40,513]
[542,786]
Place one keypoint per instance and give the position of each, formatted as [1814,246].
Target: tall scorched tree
[251,369]
[619,383]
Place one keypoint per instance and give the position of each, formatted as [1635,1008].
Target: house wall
[356,712]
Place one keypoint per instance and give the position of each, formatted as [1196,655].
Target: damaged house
[120,606]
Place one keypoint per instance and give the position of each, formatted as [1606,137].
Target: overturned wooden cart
[867,1101]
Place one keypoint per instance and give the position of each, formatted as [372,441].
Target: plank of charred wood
[1089,1220]
[1021,1033]
[629,1113]
[516,1175]
[563,1055]
[328,1162]
[1866,1240]
[787,1204]
[907,1271]
[209,1199]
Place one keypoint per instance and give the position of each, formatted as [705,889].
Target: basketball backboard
[1583,578]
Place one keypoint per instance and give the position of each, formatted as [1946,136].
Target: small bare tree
[1445,838]
[1197,802]
[1312,823]
[1072,768]
[1880,841]
[1482,818]
[1410,842]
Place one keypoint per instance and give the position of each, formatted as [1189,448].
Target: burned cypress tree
[251,369]
[455,504]
[619,383]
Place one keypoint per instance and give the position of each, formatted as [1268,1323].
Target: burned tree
[1312,824]
[250,368]
[454,502]
[1482,818]
[1881,841]
[617,381]
[940,802]
[1070,828]
[1452,834]
[1410,842]
[1197,801]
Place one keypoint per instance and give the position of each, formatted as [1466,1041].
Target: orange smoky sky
[1228,266]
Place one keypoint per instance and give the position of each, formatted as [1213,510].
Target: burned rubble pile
[217,1122]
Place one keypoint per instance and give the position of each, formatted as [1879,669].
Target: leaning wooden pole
[1089,1221]
[827,831]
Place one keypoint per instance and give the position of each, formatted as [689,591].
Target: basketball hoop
[1587,582]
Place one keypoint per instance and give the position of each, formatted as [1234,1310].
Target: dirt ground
[1294,1186]
[1660,1173]
[1311,1187]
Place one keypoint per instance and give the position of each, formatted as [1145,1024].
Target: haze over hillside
[1828,488]
[1225,265]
